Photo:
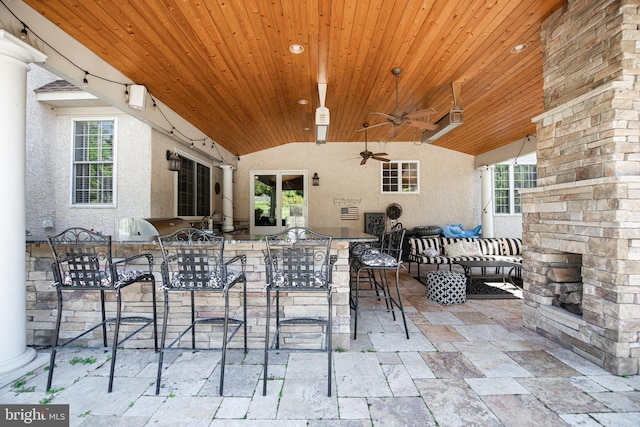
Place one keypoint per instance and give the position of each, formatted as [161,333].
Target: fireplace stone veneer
[586,208]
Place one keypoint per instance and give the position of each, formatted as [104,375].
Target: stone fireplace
[586,208]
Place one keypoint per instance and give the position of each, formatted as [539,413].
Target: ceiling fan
[366,154]
[417,119]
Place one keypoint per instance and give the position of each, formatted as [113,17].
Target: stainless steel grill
[166,226]
[146,230]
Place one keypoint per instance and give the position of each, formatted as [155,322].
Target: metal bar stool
[194,262]
[371,267]
[298,260]
[83,262]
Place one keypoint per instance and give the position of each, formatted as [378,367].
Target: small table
[500,267]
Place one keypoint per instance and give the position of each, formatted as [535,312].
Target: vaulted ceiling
[226,67]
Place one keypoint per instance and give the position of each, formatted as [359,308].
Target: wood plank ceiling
[226,66]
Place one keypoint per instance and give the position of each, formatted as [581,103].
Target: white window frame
[400,167]
[197,161]
[511,189]
[72,162]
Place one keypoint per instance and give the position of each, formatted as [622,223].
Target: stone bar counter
[84,307]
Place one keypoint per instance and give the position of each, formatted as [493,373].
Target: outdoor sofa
[439,250]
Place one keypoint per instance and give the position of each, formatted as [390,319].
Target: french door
[278,200]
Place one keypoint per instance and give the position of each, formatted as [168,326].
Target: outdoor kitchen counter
[41,297]
[341,234]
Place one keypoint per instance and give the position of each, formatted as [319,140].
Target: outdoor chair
[83,263]
[194,263]
[370,271]
[298,260]
[378,229]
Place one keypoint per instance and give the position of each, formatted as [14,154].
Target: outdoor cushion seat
[124,276]
[375,258]
[443,259]
[203,280]
[511,246]
[357,249]
[314,279]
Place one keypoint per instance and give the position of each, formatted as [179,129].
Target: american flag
[349,213]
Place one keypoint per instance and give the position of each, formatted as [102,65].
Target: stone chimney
[586,208]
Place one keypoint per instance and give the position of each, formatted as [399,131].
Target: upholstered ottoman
[446,287]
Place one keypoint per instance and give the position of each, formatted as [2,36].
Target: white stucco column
[486,179]
[15,55]
[227,198]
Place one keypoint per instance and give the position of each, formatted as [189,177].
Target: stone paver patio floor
[467,364]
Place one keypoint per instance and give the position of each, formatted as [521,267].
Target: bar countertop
[338,233]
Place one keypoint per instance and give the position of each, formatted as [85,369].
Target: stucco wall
[507,225]
[449,183]
[144,186]
[164,181]
[132,166]
[40,149]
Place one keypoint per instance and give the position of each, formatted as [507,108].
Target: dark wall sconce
[315,179]
[174,161]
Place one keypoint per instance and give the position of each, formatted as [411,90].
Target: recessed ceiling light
[518,48]
[296,49]
[303,101]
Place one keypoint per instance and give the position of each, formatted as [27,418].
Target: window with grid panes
[501,189]
[508,179]
[93,144]
[400,177]
[524,176]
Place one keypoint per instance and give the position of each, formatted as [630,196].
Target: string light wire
[515,162]
[173,132]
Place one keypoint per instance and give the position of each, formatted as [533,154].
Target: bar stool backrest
[298,258]
[193,259]
[393,246]
[82,259]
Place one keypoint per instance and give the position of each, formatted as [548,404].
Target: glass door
[278,200]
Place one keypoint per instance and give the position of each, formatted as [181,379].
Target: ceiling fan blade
[394,131]
[382,159]
[421,125]
[420,114]
[379,154]
[363,161]
[373,126]
[386,116]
